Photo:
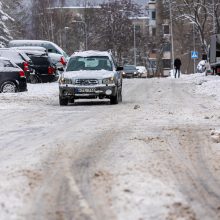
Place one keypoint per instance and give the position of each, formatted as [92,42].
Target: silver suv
[90,75]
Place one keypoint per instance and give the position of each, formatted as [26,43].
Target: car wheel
[120,95]
[63,101]
[114,99]
[72,100]
[34,79]
[8,87]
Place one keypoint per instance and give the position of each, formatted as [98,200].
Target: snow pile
[207,85]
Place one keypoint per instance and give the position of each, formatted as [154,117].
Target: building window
[153,15]
[167,47]
[167,63]
[166,29]
[153,31]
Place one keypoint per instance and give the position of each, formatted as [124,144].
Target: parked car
[44,69]
[19,58]
[49,46]
[57,59]
[91,75]
[12,77]
[129,71]
[142,71]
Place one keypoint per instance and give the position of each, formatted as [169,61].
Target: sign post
[194,56]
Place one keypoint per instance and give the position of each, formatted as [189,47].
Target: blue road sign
[194,54]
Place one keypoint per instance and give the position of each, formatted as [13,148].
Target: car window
[89,63]
[37,60]
[24,56]
[13,55]
[5,63]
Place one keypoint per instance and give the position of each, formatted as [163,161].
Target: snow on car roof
[4,58]
[30,48]
[91,53]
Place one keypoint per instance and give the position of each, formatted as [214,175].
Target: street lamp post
[171,32]
[85,28]
[135,60]
[65,30]
[214,21]
[194,46]
[134,34]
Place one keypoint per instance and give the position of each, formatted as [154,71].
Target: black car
[44,69]
[12,77]
[130,71]
[19,58]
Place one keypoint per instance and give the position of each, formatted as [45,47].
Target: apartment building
[164,43]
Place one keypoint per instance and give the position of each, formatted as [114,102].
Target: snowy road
[151,157]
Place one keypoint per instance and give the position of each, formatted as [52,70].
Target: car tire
[114,99]
[34,79]
[9,87]
[63,101]
[72,100]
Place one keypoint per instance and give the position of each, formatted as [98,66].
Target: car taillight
[21,74]
[63,61]
[26,66]
[51,70]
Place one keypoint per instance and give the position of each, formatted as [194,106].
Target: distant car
[19,58]
[142,71]
[44,69]
[90,75]
[12,77]
[129,71]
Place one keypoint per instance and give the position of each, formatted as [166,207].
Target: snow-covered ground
[148,158]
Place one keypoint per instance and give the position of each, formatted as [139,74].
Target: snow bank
[207,85]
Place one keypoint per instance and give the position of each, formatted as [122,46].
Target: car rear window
[39,60]
[12,55]
[5,63]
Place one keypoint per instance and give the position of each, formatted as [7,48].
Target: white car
[90,75]
[142,71]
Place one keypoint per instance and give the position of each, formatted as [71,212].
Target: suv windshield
[89,63]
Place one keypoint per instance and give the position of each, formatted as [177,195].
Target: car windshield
[130,68]
[89,63]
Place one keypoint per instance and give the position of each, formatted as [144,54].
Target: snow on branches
[5,35]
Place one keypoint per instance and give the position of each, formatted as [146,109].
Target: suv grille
[86,82]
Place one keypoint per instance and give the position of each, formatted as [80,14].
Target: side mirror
[119,68]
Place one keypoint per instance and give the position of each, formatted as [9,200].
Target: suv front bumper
[76,91]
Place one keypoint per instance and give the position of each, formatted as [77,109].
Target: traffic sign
[194,54]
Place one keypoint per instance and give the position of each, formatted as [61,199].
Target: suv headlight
[108,81]
[64,80]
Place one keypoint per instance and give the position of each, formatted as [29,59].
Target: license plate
[85,90]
